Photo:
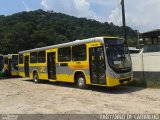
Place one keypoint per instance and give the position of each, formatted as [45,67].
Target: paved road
[19,96]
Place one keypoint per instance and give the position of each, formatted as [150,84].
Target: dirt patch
[21,96]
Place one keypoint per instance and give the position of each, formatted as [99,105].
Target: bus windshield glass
[1,63]
[118,55]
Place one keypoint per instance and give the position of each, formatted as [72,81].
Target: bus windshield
[1,63]
[118,55]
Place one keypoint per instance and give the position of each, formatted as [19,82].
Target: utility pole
[124,20]
[138,40]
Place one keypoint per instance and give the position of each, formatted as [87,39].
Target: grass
[153,83]
[146,84]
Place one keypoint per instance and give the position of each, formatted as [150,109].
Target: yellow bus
[11,65]
[102,61]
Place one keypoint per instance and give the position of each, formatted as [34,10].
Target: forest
[28,30]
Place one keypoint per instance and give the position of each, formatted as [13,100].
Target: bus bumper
[111,82]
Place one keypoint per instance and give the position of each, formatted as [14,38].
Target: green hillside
[26,30]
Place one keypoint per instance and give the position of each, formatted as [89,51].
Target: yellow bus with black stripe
[102,61]
[11,65]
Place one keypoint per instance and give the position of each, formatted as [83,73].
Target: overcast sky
[143,15]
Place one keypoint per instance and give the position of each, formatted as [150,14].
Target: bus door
[51,65]
[97,65]
[14,63]
[9,67]
[26,65]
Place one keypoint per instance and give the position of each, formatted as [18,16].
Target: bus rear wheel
[81,82]
[36,78]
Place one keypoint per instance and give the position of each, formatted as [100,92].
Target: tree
[27,30]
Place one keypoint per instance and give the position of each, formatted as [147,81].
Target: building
[146,64]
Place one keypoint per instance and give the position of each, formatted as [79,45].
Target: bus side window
[33,57]
[41,56]
[79,53]
[100,52]
[64,54]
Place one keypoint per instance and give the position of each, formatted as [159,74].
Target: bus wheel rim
[35,78]
[81,81]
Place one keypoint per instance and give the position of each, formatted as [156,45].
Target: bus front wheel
[81,82]
[36,78]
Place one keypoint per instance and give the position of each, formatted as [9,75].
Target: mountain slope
[27,30]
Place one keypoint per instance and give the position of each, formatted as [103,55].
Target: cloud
[115,17]
[47,4]
[26,6]
[140,14]
[144,15]
[79,8]
[82,8]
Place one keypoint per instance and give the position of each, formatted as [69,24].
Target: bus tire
[81,82]
[36,78]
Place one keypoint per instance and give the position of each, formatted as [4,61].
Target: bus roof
[76,42]
[9,55]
